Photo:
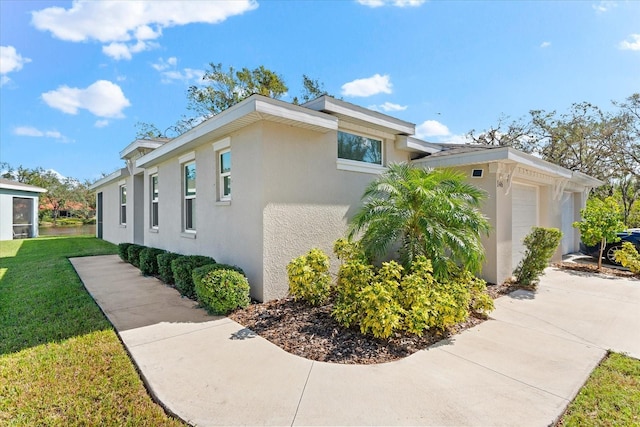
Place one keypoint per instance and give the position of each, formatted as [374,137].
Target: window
[225,174]
[154,201]
[123,205]
[359,148]
[190,196]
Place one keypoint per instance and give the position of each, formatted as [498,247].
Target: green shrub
[149,261]
[133,254]
[353,276]
[164,266]
[628,257]
[414,296]
[182,268]
[199,272]
[123,251]
[481,301]
[309,277]
[222,291]
[378,309]
[541,244]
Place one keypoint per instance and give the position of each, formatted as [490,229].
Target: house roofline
[120,173]
[19,186]
[246,112]
[347,110]
[510,155]
[142,146]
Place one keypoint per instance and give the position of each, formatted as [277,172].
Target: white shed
[18,210]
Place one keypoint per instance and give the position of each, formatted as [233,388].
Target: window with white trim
[189,193]
[123,205]
[154,200]
[224,168]
[359,148]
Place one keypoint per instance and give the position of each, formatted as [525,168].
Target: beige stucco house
[18,209]
[265,181]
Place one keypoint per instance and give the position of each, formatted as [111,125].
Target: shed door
[524,215]
[568,217]
[23,220]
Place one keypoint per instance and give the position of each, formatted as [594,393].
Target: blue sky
[77,76]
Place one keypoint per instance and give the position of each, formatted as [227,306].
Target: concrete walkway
[520,368]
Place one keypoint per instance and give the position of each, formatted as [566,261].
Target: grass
[610,397]
[61,362]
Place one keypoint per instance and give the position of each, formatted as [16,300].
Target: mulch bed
[312,333]
[592,268]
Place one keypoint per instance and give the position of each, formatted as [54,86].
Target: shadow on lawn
[42,299]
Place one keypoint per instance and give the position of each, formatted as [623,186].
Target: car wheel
[610,253]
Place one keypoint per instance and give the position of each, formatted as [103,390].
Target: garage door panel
[524,215]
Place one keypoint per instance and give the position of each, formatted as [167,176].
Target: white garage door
[568,232]
[524,215]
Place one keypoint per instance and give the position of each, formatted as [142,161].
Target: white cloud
[604,6]
[545,44]
[126,27]
[431,128]
[367,87]
[397,3]
[388,106]
[10,61]
[101,123]
[170,73]
[633,42]
[37,133]
[103,98]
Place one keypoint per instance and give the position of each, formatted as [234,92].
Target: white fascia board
[109,178]
[586,180]
[409,143]
[332,105]
[496,155]
[23,187]
[262,105]
[139,143]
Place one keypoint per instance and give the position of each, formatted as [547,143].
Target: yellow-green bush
[309,277]
[629,257]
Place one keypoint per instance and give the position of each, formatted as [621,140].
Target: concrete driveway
[522,367]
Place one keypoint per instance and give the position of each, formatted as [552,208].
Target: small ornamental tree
[601,222]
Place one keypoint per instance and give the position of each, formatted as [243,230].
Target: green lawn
[610,397]
[61,363]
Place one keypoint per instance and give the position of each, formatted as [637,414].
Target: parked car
[632,235]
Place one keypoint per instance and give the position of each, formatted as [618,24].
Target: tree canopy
[223,88]
[605,145]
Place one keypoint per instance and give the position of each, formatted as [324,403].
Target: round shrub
[133,254]
[222,291]
[309,277]
[164,266]
[199,272]
[182,268]
[149,261]
[123,251]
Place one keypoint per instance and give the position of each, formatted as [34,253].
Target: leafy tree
[311,89]
[601,222]
[226,88]
[433,213]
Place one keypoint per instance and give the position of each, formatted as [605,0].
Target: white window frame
[221,147]
[122,204]
[359,165]
[186,197]
[155,208]
[224,197]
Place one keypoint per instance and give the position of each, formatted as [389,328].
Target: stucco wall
[112,231]
[308,200]
[6,212]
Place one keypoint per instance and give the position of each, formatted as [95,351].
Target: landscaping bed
[312,333]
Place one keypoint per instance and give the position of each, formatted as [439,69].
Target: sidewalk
[520,368]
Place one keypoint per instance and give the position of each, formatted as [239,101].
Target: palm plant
[434,213]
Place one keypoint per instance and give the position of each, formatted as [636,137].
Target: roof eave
[109,178]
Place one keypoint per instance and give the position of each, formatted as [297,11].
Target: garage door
[568,232]
[524,215]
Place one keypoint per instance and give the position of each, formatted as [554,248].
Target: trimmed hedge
[133,254]
[199,272]
[123,251]
[221,291]
[541,244]
[182,268]
[164,267]
[149,261]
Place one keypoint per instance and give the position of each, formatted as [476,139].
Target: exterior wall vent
[477,173]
